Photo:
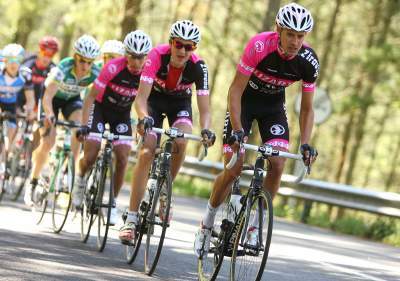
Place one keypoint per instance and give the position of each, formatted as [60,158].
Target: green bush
[381,228]
[350,225]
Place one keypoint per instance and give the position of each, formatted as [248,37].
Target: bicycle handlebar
[111,137]
[268,151]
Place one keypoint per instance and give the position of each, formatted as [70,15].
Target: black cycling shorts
[271,119]
[67,107]
[119,122]
[177,110]
[11,108]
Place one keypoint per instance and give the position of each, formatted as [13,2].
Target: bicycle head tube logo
[100,127]
[277,130]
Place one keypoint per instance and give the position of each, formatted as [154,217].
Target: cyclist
[14,78]
[165,90]
[110,101]
[64,85]
[40,65]
[270,62]
[111,49]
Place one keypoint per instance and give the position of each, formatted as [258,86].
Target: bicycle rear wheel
[156,228]
[40,201]
[249,260]
[105,199]
[23,165]
[63,184]
[88,212]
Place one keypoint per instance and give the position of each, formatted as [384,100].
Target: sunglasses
[82,60]
[16,60]
[47,52]
[179,45]
[110,56]
[135,56]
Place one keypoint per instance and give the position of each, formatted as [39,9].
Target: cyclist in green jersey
[64,86]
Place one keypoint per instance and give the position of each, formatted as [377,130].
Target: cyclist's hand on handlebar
[236,139]
[48,121]
[208,137]
[309,154]
[82,132]
[144,125]
[30,115]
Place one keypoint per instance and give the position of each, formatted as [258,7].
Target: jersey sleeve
[311,70]
[55,75]
[26,74]
[201,82]
[250,57]
[151,66]
[108,72]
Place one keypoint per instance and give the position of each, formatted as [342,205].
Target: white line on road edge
[351,271]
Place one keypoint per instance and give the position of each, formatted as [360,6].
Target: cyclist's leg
[11,123]
[274,130]
[72,111]
[120,124]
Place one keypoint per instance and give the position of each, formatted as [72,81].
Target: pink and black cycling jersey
[271,71]
[116,85]
[156,69]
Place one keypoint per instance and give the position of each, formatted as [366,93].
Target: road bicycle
[252,211]
[98,196]
[150,223]
[55,189]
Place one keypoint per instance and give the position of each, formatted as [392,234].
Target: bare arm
[234,99]
[141,99]
[203,103]
[48,96]
[306,118]
[30,103]
[87,104]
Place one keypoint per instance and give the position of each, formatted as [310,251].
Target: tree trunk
[27,21]
[193,10]
[376,138]
[269,18]
[393,166]
[329,40]
[129,20]
[67,36]
[177,8]
[373,76]
[209,12]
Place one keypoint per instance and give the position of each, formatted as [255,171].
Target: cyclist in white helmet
[111,49]
[110,101]
[270,62]
[15,78]
[64,85]
[165,90]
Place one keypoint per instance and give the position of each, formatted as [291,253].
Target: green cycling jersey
[68,85]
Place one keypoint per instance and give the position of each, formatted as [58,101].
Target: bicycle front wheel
[3,169]
[251,246]
[88,212]
[157,227]
[63,184]
[104,203]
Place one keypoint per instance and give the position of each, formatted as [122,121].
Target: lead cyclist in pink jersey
[165,91]
[270,62]
[110,101]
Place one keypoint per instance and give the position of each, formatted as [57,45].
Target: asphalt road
[298,252]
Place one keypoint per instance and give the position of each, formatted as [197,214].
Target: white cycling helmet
[113,47]
[138,42]
[296,17]
[13,50]
[87,47]
[186,30]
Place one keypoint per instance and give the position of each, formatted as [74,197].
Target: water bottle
[234,206]
[151,186]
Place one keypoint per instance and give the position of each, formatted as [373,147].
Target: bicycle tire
[261,200]
[39,206]
[62,194]
[24,171]
[131,251]
[103,221]
[151,223]
[3,162]
[89,197]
